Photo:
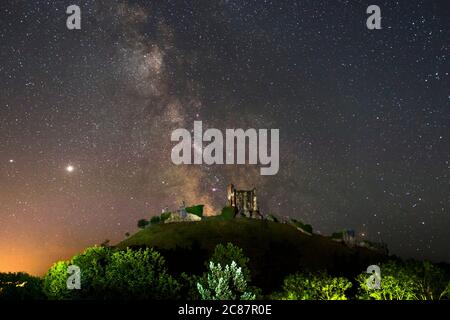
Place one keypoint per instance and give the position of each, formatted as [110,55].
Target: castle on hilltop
[244,202]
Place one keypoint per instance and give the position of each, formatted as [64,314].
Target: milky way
[86,117]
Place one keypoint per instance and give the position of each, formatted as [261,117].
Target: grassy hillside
[275,250]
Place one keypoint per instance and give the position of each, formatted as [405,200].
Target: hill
[275,249]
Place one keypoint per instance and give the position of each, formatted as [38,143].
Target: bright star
[70,168]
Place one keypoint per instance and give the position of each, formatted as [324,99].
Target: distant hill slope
[275,249]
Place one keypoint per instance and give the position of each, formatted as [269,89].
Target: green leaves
[139,274]
[405,281]
[197,210]
[55,282]
[225,283]
[20,286]
[108,273]
[309,286]
[226,254]
[142,223]
[113,274]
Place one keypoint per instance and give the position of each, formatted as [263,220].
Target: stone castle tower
[244,202]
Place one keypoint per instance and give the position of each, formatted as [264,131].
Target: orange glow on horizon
[32,259]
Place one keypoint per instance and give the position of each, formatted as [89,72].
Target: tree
[224,283]
[225,255]
[399,281]
[107,273]
[93,263]
[446,293]
[139,274]
[309,286]
[188,284]
[20,286]
[142,223]
[55,282]
[155,220]
[433,278]
[164,216]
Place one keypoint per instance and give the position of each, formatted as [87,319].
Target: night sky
[86,117]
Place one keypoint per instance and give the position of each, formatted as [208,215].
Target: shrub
[308,286]
[164,216]
[446,293]
[272,217]
[197,210]
[142,223]
[434,279]
[92,263]
[402,281]
[337,235]
[55,282]
[188,286]
[155,220]
[308,228]
[20,286]
[305,227]
[139,274]
[225,255]
[227,283]
[113,274]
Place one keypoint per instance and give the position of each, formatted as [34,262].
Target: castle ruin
[244,202]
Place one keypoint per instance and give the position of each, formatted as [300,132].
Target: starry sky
[86,117]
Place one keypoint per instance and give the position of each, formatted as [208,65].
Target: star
[70,168]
